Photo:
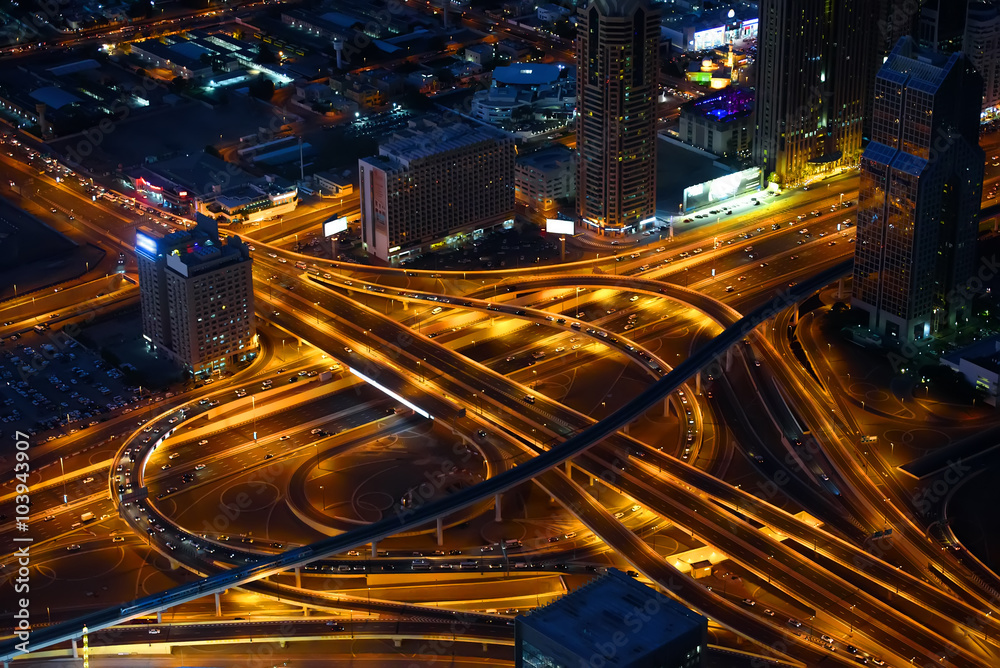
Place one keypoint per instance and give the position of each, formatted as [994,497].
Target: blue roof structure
[54,97]
[527,74]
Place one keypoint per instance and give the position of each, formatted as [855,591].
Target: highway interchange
[668,374]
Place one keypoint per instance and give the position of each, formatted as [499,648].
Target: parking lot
[49,381]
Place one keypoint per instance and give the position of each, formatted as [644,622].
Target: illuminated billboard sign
[723,188]
[709,39]
[559,226]
[335,226]
[145,244]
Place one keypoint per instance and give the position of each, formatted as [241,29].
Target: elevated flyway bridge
[65,631]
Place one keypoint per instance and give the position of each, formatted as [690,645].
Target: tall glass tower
[920,193]
[617,58]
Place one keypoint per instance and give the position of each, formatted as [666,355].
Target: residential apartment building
[196,294]
[617,62]
[434,183]
[545,177]
[721,124]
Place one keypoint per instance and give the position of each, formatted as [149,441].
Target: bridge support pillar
[569,468]
[496,503]
[440,531]
[374,549]
[729,358]
[625,429]
[76,655]
[282,643]
[398,642]
[298,577]
[173,565]
[218,605]
[485,647]
[406,305]
[795,310]
[591,480]
[305,611]
[840,282]
[666,406]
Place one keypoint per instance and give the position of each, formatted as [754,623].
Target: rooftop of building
[729,105]
[528,74]
[546,159]
[595,615]
[198,172]
[431,135]
[196,247]
[985,353]
[917,67]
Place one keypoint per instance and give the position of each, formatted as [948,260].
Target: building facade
[813,75]
[617,62]
[942,24]
[544,178]
[920,193]
[597,621]
[721,124]
[196,294]
[433,183]
[981,44]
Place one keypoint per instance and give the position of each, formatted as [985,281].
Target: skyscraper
[920,193]
[617,58]
[942,24]
[813,74]
[981,44]
[197,296]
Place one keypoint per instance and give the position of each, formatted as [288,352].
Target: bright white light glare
[559,226]
[335,226]
[145,243]
[392,394]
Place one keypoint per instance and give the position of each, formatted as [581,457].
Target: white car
[203,441]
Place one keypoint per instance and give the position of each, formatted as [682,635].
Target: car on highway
[203,441]
[153,632]
[72,548]
[571,534]
[284,437]
[827,639]
[529,398]
[729,288]
[118,539]
[619,515]
[749,602]
[199,467]
[794,622]
[769,612]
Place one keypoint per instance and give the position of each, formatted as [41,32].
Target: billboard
[145,244]
[335,226]
[559,226]
[722,188]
